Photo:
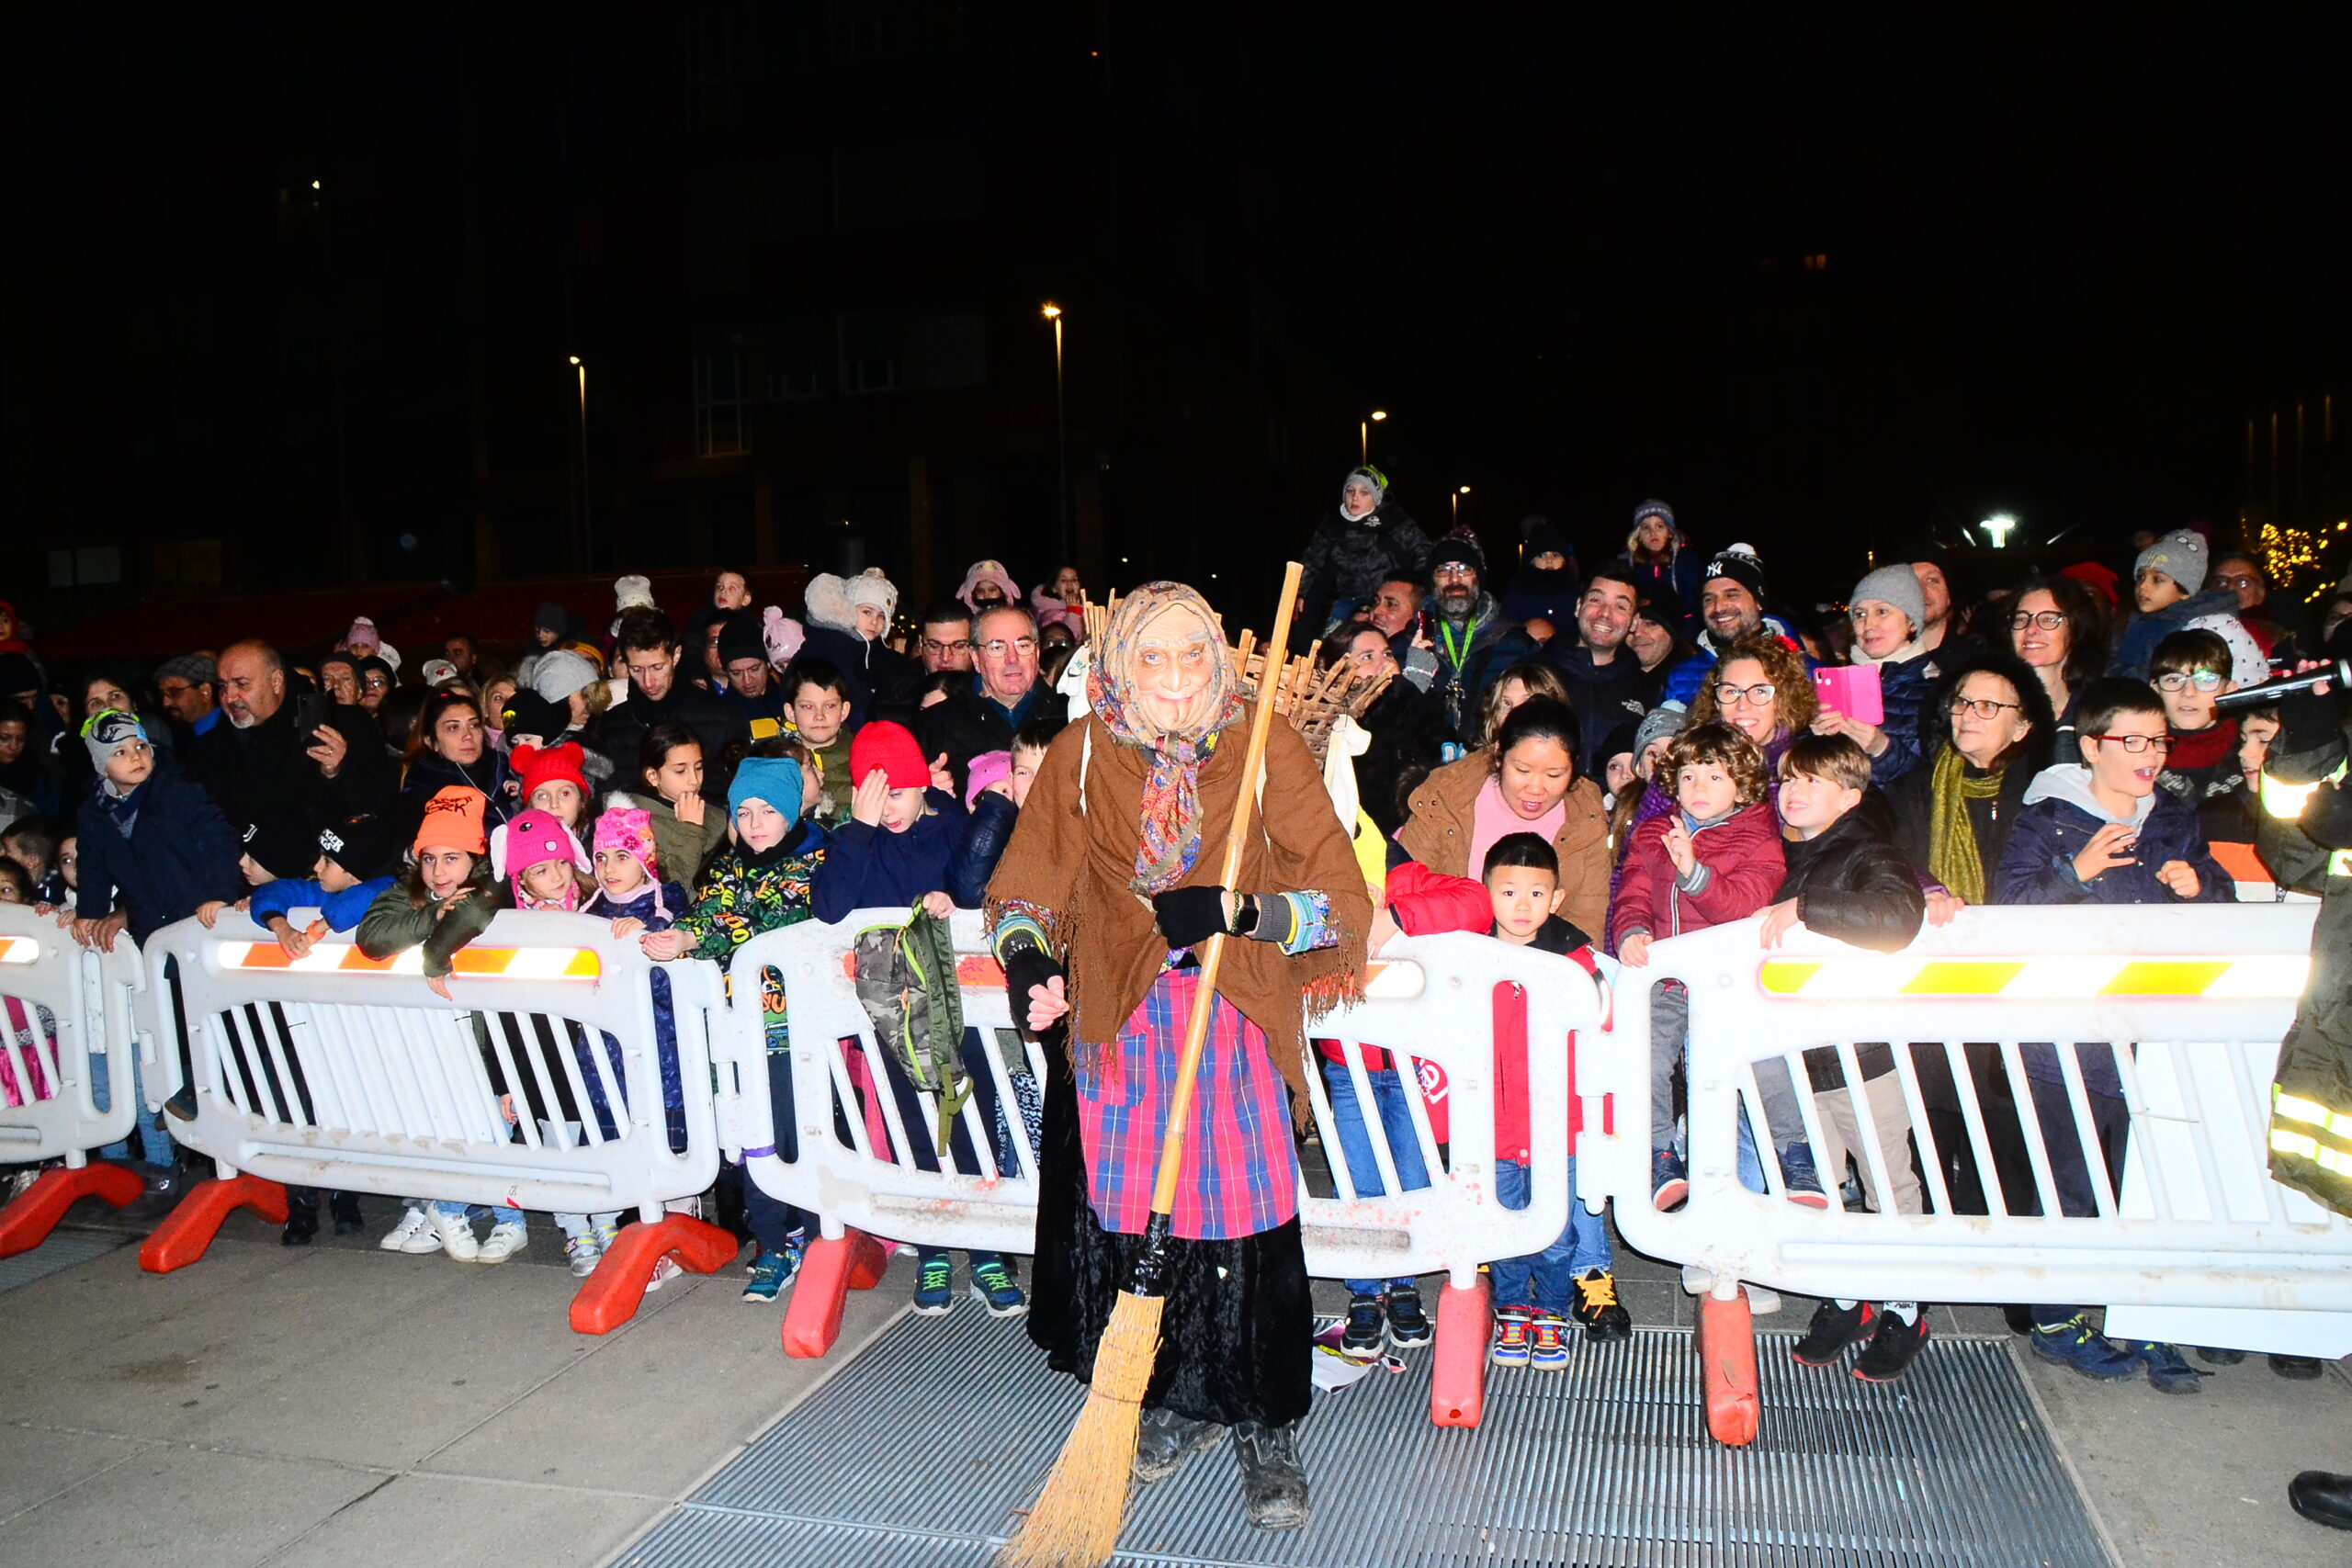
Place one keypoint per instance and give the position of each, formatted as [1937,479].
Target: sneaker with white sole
[414,1233]
[583,1253]
[505,1239]
[664,1271]
[772,1271]
[992,1283]
[456,1233]
[606,1231]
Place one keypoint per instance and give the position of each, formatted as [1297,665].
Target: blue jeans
[498,1214]
[1546,1280]
[154,1145]
[1388,1094]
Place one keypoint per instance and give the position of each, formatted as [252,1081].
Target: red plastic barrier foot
[610,1297]
[1728,1368]
[26,1224]
[812,1319]
[1458,1372]
[188,1229]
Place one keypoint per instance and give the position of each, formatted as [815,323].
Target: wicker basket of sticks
[1311,701]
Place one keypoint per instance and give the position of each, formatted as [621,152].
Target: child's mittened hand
[210,911]
[2181,877]
[625,924]
[688,810]
[1636,950]
[938,906]
[872,793]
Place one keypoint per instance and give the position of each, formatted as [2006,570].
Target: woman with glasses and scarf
[1104,893]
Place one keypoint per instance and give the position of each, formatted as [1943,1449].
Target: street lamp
[1053,313]
[1458,503]
[1998,527]
[581,370]
[1363,431]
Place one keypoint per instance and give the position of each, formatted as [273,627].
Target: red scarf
[2194,749]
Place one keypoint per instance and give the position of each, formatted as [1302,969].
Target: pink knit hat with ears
[782,635]
[533,839]
[629,830]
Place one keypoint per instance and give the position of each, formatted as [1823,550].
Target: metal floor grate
[63,1249]
[917,1453]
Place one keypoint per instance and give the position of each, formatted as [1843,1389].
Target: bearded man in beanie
[1367,540]
[1476,642]
[1731,606]
[647,649]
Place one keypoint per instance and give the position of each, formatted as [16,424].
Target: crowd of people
[1586,762]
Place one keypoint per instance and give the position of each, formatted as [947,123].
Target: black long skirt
[1236,1332]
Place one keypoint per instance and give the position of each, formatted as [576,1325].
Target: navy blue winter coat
[659,905]
[2137,646]
[869,867]
[986,832]
[180,852]
[2060,817]
[1905,690]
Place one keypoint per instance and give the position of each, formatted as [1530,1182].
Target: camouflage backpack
[906,982]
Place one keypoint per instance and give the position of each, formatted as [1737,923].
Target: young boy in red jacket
[1540,1294]
[1714,858]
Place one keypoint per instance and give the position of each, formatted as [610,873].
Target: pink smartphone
[1851,690]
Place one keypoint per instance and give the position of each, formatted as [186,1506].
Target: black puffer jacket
[1852,884]
[1348,558]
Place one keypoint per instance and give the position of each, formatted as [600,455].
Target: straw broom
[1076,1521]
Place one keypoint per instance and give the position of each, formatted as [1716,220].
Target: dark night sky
[2066,260]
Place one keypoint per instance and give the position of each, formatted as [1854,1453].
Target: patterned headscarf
[1172,795]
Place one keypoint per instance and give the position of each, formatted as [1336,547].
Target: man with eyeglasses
[647,650]
[1476,642]
[1607,688]
[1731,606]
[946,639]
[2281,624]
[1004,691]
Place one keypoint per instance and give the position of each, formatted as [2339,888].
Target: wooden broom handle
[1212,953]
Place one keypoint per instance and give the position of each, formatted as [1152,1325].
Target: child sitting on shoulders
[893,852]
[1537,1295]
[1847,881]
[1714,858]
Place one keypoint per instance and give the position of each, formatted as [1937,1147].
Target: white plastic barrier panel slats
[66,1039]
[2020,1037]
[1432,1000]
[539,1085]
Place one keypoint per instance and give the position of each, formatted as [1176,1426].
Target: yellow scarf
[1952,836]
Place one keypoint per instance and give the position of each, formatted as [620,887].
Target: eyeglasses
[1983,708]
[1465,572]
[933,645]
[997,648]
[2048,620]
[2247,579]
[2135,744]
[2181,681]
[1728,696]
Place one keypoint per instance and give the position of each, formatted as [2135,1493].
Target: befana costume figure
[1106,889]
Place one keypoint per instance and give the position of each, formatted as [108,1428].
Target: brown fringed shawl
[1071,873]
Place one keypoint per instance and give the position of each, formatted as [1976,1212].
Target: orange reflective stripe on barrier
[974,971]
[19,950]
[341,958]
[2243,977]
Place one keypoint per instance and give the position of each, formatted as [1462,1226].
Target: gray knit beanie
[1898,586]
[1655,723]
[2181,555]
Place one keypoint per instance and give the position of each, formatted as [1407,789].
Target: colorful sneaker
[1512,1326]
[1670,1182]
[992,1282]
[1892,1346]
[1833,1328]
[606,1232]
[583,1253]
[2167,1370]
[1409,1321]
[771,1272]
[1802,1182]
[1598,1310]
[1367,1331]
[935,1286]
[1548,1350]
[2073,1346]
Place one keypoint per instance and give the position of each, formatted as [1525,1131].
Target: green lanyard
[1453,652]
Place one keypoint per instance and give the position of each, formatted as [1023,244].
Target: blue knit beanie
[775,779]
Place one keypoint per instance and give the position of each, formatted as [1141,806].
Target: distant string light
[2286,552]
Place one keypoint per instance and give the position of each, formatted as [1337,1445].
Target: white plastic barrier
[65,1038]
[1432,1001]
[2205,993]
[338,1071]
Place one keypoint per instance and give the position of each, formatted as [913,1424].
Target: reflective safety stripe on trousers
[2311,1130]
[2246,977]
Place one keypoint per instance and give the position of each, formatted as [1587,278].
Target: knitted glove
[1188,916]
